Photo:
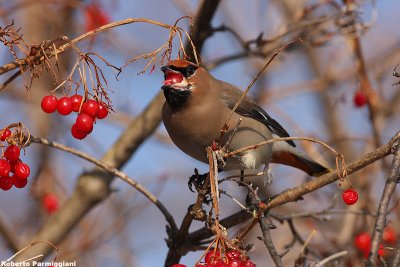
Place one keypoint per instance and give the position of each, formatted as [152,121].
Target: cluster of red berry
[232,258]
[362,241]
[89,111]
[350,196]
[12,170]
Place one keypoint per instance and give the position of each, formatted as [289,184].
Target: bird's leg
[242,176]
[220,160]
[268,175]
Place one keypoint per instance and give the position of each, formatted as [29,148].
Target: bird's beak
[173,78]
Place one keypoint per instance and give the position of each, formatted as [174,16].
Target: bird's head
[179,81]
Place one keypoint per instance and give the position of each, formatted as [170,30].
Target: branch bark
[380,222]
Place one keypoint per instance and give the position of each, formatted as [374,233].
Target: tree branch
[22,63]
[267,239]
[295,193]
[380,222]
[112,171]
[94,186]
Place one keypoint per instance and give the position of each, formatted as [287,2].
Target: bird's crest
[180,63]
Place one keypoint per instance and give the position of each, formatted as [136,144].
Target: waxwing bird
[196,108]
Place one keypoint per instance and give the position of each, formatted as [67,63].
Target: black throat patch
[175,98]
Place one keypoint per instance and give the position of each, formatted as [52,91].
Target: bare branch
[295,193]
[387,193]
[41,58]
[94,186]
[111,170]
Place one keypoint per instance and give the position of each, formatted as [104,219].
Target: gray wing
[249,108]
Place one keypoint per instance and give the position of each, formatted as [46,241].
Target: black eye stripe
[187,71]
[190,70]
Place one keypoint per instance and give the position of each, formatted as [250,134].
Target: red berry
[6,182]
[389,235]
[221,263]
[5,134]
[248,263]
[103,111]
[210,256]
[360,99]
[362,241]
[12,153]
[232,254]
[22,170]
[234,263]
[350,196]
[77,134]
[84,123]
[64,106]
[179,265]
[5,168]
[381,250]
[50,203]
[172,78]
[19,182]
[76,101]
[49,104]
[90,107]
[13,164]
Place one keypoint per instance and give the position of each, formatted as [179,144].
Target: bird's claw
[197,180]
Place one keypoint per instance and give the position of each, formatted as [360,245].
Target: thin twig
[169,218]
[311,139]
[22,63]
[307,241]
[37,256]
[255,78]
[331,258]
[9,80]
[267,239]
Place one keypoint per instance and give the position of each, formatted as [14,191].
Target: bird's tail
[282,153]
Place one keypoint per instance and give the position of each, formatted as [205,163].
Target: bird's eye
[190,70]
